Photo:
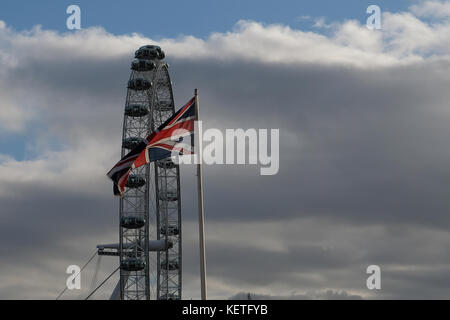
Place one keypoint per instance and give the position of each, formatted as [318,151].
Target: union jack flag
[156,146]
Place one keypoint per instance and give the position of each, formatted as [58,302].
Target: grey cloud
[370,145]
[326,295]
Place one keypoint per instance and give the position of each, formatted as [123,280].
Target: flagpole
[201,218]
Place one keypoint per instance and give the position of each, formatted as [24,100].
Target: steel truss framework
[146,274]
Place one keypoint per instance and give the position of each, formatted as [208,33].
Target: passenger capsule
[170,230]
[135,181]
[139,84]
[136,110]
[149,52]
[132,264]
[164,106]
[132,222]
[131,142]
[170,296]
[142,65]
[166,164]
[172,265]
[168,196]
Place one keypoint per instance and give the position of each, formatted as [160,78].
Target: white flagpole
[201,218]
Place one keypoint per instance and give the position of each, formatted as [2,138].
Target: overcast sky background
[364,131]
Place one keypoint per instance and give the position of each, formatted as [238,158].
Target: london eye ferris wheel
[149,245]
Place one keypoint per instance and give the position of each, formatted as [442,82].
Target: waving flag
[157,146]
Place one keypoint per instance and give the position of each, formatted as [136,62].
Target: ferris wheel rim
[144,87]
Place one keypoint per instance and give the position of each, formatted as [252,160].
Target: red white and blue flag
[157,146]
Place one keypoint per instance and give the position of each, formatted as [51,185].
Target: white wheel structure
[150,208]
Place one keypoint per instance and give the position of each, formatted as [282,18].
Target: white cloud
[404,39]
[408,36]
[71,170]
[13,116]
[436,9]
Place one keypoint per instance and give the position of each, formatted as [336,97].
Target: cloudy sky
[364,130]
